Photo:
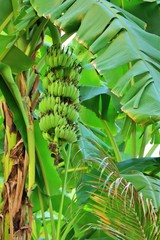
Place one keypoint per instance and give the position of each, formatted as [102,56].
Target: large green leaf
[89,75]
[102,102]
[71,20]
[151,15]
[126,55]
[52,9]
[130,44]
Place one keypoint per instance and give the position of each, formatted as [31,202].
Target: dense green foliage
[106,184]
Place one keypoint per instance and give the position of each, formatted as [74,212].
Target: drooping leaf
[151,15]
[126,55]
[121,45]
[52,9]
[71,20]
[99,101]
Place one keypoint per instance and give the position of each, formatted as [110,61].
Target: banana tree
[72,189]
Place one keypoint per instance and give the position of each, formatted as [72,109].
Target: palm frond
[122,212]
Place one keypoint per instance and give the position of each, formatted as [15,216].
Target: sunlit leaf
[124,54]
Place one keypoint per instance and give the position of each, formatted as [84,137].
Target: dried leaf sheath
[15,201]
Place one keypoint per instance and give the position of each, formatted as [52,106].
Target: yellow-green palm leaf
[121,211]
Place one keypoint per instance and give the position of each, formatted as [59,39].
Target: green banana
[72,115]
[51,121]
[59,106]
[45,83]
[47,104]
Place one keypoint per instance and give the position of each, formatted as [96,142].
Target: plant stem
[52,220]
[63,193]
[122,4]
[71,223]
[43,215]
[31,156]
[113,142]
[76,169]
[143,143]
[7,20]
[133,140]
[16,7]
[153,148]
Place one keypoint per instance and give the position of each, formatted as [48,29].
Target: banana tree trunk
[16,212]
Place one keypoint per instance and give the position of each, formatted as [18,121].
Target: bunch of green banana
[50,121]
[60,103]
[47,103]
[57,56]
[66,133]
